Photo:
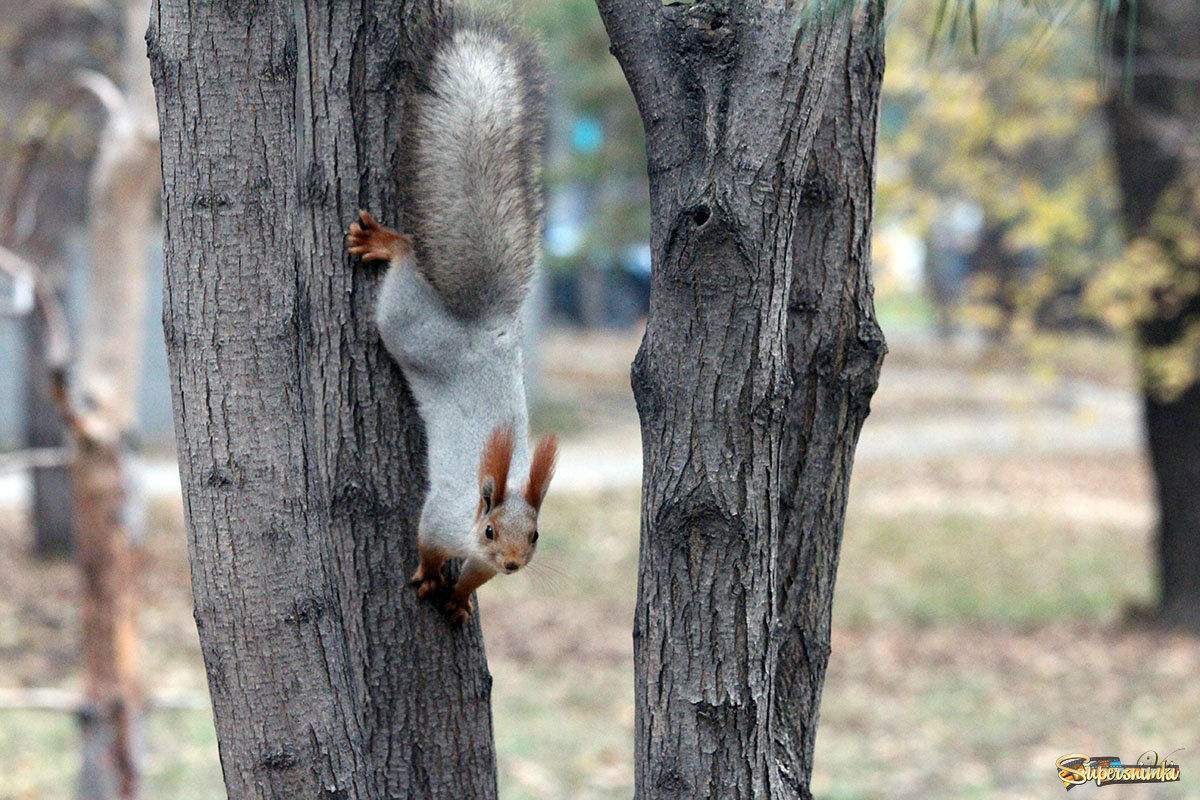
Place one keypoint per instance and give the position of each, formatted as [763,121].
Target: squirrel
[450,307]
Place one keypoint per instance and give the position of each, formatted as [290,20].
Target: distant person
[953,240]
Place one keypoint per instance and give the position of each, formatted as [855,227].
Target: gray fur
[477,181]
[467,378]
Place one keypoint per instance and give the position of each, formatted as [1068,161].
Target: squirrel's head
[506,526]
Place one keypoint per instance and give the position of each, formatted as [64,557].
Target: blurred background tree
[994,157]
[598,214]
[1154,289]
[1017,161]
[46,151]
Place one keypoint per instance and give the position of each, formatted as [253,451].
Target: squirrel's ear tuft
[493,468]
[541,470]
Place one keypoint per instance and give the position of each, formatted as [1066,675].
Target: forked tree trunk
[1156,141]
[754,377]
[299,446]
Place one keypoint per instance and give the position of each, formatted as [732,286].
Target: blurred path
[923,412]
[920,412]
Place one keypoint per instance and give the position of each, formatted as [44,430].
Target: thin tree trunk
[755,374]
[122,198]
[1155,122]
[112,707]
[299,446]
[109,559]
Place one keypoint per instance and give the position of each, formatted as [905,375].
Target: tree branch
[85,84]
[634,32]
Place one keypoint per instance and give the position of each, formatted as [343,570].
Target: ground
[997,548]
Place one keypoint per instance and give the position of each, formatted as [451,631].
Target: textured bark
[1155,124]
[755,374]
[299,446]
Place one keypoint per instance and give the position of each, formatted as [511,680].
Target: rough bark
[755,374]
[299,446]
[1155,123]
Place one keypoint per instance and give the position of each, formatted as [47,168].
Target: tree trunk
[754,377]
[1155,122]
[1173,436]
[122,198]
[300,449]
[109,559]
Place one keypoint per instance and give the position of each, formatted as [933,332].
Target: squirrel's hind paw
[458,611]
[373,242]
[427,583]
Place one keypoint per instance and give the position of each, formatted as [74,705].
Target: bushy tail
[478,143]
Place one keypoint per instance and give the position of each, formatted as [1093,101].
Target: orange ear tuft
[497,457]
[541,470]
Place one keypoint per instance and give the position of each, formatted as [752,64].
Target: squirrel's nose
[511,566]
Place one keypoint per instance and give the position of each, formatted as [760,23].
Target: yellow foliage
[1157,277]
[1016,129]
[1169,370]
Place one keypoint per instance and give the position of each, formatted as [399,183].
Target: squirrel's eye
[488,532]
[535,537]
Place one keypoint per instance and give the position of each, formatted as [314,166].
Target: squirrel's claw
[373,242]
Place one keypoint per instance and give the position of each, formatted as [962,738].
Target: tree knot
[282,757]
[703,28]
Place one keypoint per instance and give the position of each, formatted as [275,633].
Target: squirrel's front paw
[373,242]
[458,611]
[427,581]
